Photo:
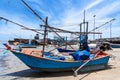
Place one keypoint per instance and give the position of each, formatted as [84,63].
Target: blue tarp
[81,55]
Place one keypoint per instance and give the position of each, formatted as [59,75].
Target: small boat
[39,60]
[82,59]
[34,60]
[27,46]
[115,45]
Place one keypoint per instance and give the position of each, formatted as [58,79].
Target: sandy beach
[11,68]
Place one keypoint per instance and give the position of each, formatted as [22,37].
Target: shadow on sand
[37,74]
[34,73]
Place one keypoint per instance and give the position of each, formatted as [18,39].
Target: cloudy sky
[64,14]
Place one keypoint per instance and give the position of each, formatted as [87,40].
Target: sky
[64,14]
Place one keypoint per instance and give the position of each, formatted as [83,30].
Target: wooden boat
[39,60]
[27,46]
[47,62]
[34,60]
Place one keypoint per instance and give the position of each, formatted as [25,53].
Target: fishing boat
[27,46]
[34,60]
[115,45]
[81,60]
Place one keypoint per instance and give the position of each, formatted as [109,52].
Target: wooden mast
[45,34]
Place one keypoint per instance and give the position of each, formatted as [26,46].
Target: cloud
[75,15]
[96,2]
[108,9]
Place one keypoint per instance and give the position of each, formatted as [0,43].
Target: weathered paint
[56,65]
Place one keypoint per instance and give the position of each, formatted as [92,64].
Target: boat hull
[115,45]
[27,46]
[44,64]
[84,69]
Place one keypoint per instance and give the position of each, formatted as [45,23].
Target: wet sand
[13,69]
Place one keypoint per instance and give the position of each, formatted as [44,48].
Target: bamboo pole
[20,25]
[45,33]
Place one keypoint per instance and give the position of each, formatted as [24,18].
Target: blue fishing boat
[81,59]
[39,60]
[54,63]
[27,46]
[115,45]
